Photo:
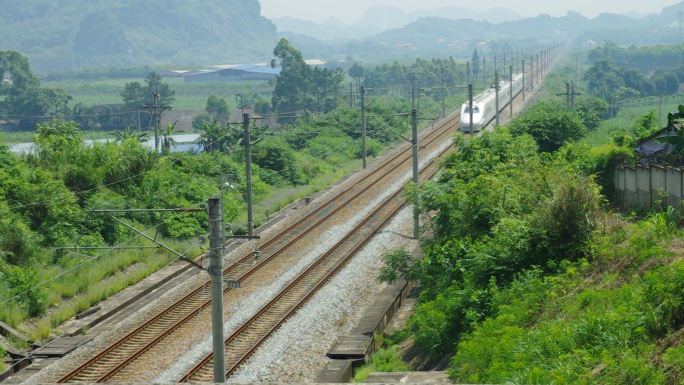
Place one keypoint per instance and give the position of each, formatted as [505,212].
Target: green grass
[385,360]
[189,96]
[96,284]
[625,118]
[88,285]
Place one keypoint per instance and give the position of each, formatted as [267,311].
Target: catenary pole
[523,79]
[248,171]
[510,89]
[414,142]
[364,150]
[470,105]
[216,239]
[496,91]
[443,94]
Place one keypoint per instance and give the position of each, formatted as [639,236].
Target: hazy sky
[351,10]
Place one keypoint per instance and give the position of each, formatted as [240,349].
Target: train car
[484,105]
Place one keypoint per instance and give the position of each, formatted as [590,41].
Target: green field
[628,114]
[189,96]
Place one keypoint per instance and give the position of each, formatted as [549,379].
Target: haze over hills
[71,34]
[76,34]
[382,18]
[440,36]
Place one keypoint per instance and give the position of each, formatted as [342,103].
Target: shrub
[385,360]
[550,124]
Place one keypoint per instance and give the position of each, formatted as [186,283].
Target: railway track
[241,344]
[244,342]
[112,360]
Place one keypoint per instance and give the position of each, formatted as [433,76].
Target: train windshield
[476,110]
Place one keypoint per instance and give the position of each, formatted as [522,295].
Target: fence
[642,187]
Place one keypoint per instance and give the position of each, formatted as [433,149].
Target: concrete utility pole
[241,100]
[573,94]
[470,105]
[248,166]
[496,65]
[413,91]
[510,89]
[570,95]
[363,124]
[496,90]
[157,111]
[523,79]
[444,94]
[216,239]
[532,72]
[538,77]
[660,109]
[484,72]
[414,142]
[467,72]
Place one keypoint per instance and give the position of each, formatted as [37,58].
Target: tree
[592,110]
[604,79]
[167,138]
[217,106]
[550,124]
[121,136]
[356,72]
[135,95]
[291,84]
[300,87]
[218,137]
[23,96]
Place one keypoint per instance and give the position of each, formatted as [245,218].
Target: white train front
[484,105]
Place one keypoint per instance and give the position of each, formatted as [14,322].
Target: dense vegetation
[48,267]
[83,34]
[619,73]
[528,278]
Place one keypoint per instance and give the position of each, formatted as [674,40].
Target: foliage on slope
[528,279]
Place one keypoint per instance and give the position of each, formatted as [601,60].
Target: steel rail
[188,301]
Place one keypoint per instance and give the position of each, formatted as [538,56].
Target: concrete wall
[643,187]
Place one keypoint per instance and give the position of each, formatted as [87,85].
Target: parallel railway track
[115,358]
[244,342]
[241,344]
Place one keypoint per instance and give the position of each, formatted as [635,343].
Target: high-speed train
[484,104]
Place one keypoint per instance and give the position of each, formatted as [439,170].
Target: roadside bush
[550,124]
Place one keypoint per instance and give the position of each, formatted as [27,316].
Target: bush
[385,360]
[550,124]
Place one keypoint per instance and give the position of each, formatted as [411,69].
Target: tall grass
[87,285]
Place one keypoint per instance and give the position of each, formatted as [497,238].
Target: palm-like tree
[128,134]
[167,138]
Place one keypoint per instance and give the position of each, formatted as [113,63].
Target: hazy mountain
[439,37]
[382,18]
[70,34]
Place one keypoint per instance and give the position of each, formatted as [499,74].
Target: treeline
[26,103]
[613,74]
[645,58]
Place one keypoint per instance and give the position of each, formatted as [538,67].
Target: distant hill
[382,18]
[72,34]
[440,36]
